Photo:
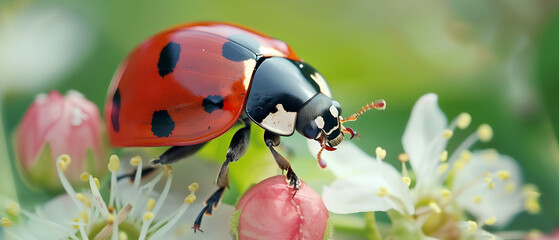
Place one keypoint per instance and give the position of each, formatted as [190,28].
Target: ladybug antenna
[378,104]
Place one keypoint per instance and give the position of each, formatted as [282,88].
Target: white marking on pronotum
[334,111]
[250,64]
[319,122]
[281,122]
[321,84]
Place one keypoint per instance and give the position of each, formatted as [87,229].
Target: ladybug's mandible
[190,84]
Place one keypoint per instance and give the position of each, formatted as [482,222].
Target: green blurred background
[497,60]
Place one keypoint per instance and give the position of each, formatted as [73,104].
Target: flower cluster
[132,211]
[442,186]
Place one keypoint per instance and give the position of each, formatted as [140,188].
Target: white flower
[133,210]
[482,183]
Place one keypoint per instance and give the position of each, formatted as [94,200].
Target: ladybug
[190,84]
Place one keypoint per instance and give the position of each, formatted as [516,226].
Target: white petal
[422,139]
[478,234]
[64,40]
[498,202]
[346,160]
[358,193]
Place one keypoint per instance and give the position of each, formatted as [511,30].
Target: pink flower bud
[269,210]
[55,125]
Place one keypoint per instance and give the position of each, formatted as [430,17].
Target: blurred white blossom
[39,44]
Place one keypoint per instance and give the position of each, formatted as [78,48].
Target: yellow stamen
[435,207]
[382,192]
[447,133]
[472,226]
[488,178]
[96,180]
[381,153]
[406,180]
[459,164]
[442,168]
[403,157]
[85,200]
[510,187]
[490,155]
[530,191]
[532,206]
[110,219]
[534,234]
[66,159]
[135,161]
[484,132]
[148,216]
[6,222]
[193,187]
[168,169]
[466,156]
[84,216]
[150,204]
[446,193]
[490,221]
[491,185]
[464,120]
[122,235]
[84,176]
[477,199]
[503,174]
[190,199]
[76,221]
[80,196]
[444,156]
[62,165]
[13,209]
[114,163]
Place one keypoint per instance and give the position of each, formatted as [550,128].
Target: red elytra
[194,76]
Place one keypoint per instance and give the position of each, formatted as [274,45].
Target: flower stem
[371,229]
[7,188]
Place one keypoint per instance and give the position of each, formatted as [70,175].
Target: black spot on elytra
[162,125]
[212,102]
[168,58]
[115,111]
[240,47]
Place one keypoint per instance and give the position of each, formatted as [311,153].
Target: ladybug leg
[237,148]
[172,155]
[272,140]
[177,153]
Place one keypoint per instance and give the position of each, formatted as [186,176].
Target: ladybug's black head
[320,119]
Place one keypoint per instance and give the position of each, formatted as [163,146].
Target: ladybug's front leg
[272,140]
[237,148]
